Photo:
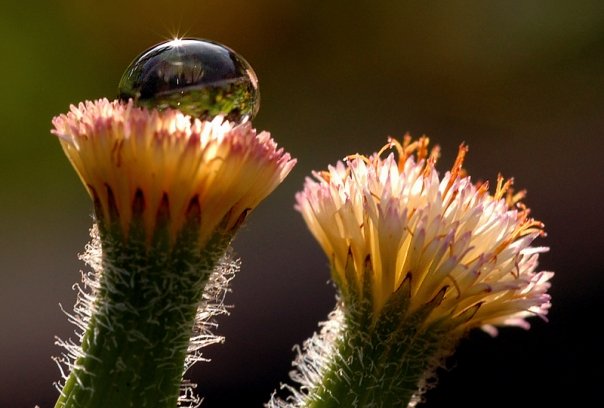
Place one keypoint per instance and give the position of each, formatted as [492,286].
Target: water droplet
[200,78]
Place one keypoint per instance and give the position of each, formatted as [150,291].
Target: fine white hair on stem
[211,306]
[84,306]
[311,362]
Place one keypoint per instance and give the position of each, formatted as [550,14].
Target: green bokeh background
[522,82]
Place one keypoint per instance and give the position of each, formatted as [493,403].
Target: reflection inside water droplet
[199,77]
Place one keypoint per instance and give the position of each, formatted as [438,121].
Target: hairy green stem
[381,363]
[134,349]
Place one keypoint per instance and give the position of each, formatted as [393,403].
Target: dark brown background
[522,82]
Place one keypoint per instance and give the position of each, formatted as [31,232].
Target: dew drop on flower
[198,77]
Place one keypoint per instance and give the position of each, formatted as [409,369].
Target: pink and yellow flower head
[392,224]
[168,161]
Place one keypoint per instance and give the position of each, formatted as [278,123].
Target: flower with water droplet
[169,192]
[418,261]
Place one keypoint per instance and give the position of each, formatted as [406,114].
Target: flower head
[167,164]
[392,225]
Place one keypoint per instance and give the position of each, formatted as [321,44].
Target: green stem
[382,364]
[134,348]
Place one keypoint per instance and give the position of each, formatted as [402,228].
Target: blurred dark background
[522,82]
